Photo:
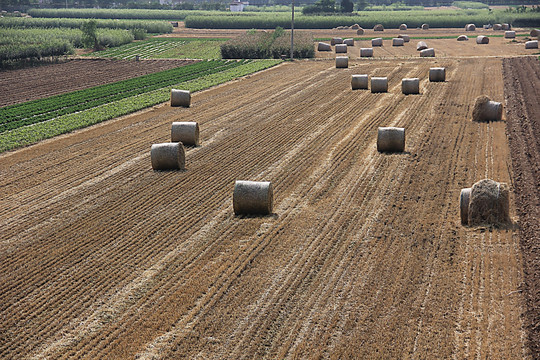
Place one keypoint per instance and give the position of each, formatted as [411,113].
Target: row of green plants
[15,116]
[27,135]
[160,27]
[148,14]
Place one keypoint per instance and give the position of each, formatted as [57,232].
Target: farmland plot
[365,256]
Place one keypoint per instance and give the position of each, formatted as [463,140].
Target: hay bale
[360,31]
[410,86]
[390,139]
[427,52]
[481,39]
[168,156]
[535,33]
[366,52]
[497,27]
[355,27]
[186,132]
[509,34]
[489,203]
[398,42]
[376,42]
[324,47]
[464,200]
[421,46]
[486,110]
[349,42]
[336,41]
[378,27]
[470,27]
[533,44]
[405,38]
[180,98]
[425,26]
[253,197]
[341,49]
[403,27]
[359,82]
[463,38]
[342,62]
[505,26]
[437,74]
[379,84]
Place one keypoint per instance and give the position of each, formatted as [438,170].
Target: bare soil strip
[522,91]
[365,256]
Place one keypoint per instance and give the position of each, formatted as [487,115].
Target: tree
[89,37]
[361,4]
[347,6]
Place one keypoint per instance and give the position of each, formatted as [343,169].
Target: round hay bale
[366,52]
[360,31]
[349,42]
[533,44]
[378,27]
[253,197]
[403,27]
[427,52]
[355,27]
[464,200]
[341,49]
[463,38]
[486,110]
[398,42]
[437,74]
[186,132]
[405,38]
[390,139]
[425,26]
[481,39]
[180,98]
[509,34]
[489,203]
[470,27]
[506,26]
[376,42]
[342,62]
[410,86]
[359,82]
[324,47]
[497,27]
[535,33]
[421,46]
[168,156]
[336,41]
[379,84]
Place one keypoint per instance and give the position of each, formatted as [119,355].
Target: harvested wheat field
[363,257]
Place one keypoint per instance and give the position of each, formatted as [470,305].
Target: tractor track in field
[365,255]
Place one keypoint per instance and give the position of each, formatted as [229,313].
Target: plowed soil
[365,256]
[39,82]
[522,91]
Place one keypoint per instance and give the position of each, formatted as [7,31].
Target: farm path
[365,257]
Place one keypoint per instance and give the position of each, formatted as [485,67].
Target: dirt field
[523,113]
[365,256]
[38,82]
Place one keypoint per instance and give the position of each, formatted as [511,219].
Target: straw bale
[324,47]
[390,139]
[349,42]
[355,27]
[489,203]
[403,27]
[464,200]
[336,41]
[410,86]
[481,39]
[359,82]
[253,197]
[180,98]
[168,156]
[421,46]
[509,34]
[405,38]
[505,26]
[497,27]
[425,26]
[366,52]
[437,74]
[378,27]
[342,62]
[398,42]
[377,42]
[341,49]
[486,110]
[427,52]
[360,31]
[379,84]
[462,38]
[535,33]
[533,44]
[470,27]
[186,132]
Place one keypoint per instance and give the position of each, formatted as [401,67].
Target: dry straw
[437,74]
[398,42]
[341,49]
[421,46]
[336,41]
[379,84]
[376,42]
[462,38]
[486,110]
[378,27]
[470,27]
[425,26]
[180,98]
[481,39]
[486,203]
[410,86]
[366,52]
[427,53]
[253,197]
[342,62]
[168,156]
[186,132]
[509,34]
[405,38]
[533,44]
[359,82]
[324,47]
[349,42]
[390,139]
[403,27]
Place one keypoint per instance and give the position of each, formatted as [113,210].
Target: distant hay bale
[464,200]
[360,31]
[342,27]
[342,62]
[403,27]
[481,39]
[470,27]
[366,52]
[427,52]
[533,44]
[253,197]
[379,84]
[425,26]
[168,156]
[509,34]
[390,139]
[186,132]
[463,38]
[437,74]
[535,33]
[341,49]
[336,41]
[378,27]
[180,98]
[506,26]
[486,110]
[421,46]
[489,203]
[355,27]
[349,42]
[497,27]
[359,82]
[398,42]
[324,47]
[405,38]
[410,86]
[376,42]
